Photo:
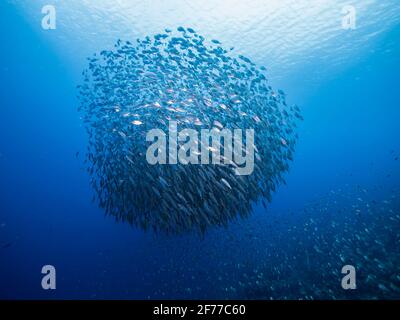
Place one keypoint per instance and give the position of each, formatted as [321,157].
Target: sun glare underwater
[200,149]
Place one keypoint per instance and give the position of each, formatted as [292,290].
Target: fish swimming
[178,76]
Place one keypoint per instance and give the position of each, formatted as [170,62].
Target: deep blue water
[348,142]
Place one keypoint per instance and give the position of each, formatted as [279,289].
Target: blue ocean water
[346,159]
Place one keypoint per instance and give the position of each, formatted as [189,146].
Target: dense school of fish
[179,76]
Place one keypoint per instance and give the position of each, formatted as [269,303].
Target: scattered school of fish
[349,226]
[179,76]
[291,255]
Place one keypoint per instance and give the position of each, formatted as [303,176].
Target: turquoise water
[340,204]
